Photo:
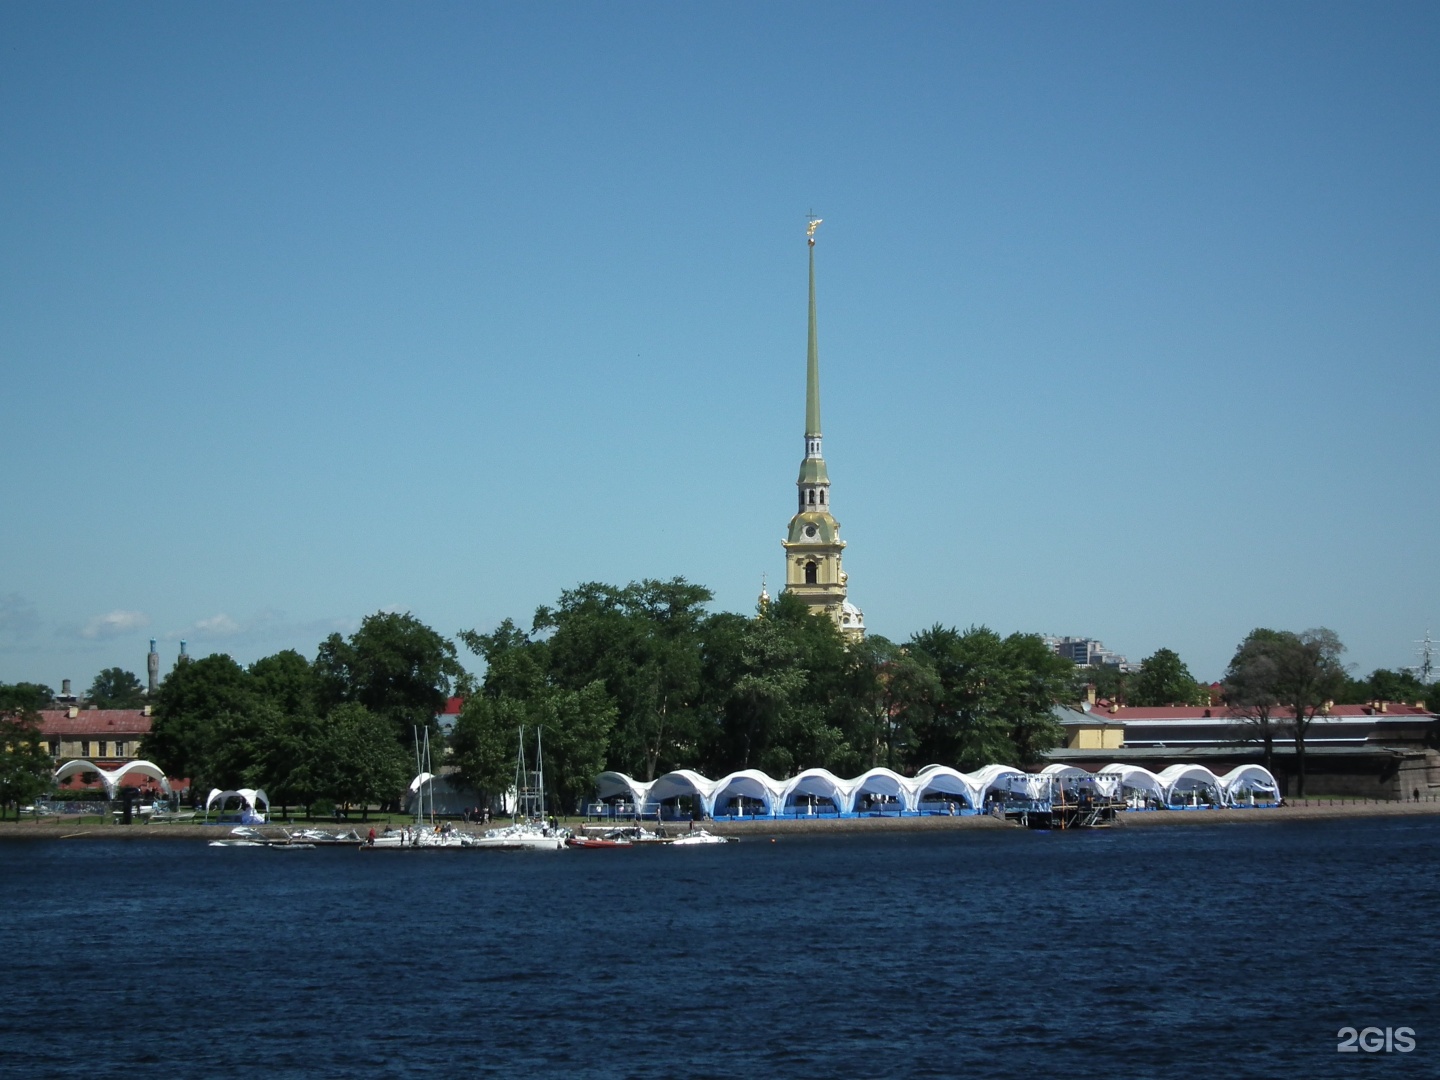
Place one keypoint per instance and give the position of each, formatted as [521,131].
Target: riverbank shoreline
[1315,810]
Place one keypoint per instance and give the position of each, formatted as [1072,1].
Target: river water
[1166,951]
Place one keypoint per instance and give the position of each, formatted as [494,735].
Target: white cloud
[215,628]
[267,625]
[114,624]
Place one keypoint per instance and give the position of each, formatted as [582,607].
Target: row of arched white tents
[111,778]
[250,799]
[936,788]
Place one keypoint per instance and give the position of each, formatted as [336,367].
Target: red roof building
[107,737]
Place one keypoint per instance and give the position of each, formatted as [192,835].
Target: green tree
[234,745]
[992,699]
[286,745]
[116,688]
[643,642]
[396,667]
[1386,685]
[1039,681]
[287,680]
[816,729]
[576,726]
[759,661]
[483,744]
[25,697]
[1308,675]
[188,704]
[515,666]
[1251,690]
[356,759]
[25,763]
[886,683]
[1165,680]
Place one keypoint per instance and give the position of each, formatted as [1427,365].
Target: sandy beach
[1313,810]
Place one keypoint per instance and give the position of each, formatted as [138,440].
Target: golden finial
[814,222]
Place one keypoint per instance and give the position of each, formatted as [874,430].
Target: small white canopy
[1006,778]
[419,780]
[882,781]
[251,797]
[1244,780]
[1137,779]
[943,780]
[749,784]
[1181,780]
[113,777]
[610,785]
[672,785]
[821,783]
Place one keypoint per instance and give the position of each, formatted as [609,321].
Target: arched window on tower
[822,498]
[811,572]
[812,496]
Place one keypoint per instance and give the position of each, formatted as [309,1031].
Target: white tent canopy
[611,785]
[1182,780]
[1006,778]
[251,797]
[749,784]
[1244,781]
[1141,781]
[1132,782]
[673,785]
[113,777]
[1077,780]
[817,783]
[882,781]
[942,780]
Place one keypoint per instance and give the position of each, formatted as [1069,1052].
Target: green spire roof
[812,367]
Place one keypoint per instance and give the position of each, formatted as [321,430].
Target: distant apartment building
[1087,652]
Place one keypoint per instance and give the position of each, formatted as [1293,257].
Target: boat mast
[430,782]
[519,810]
[419,771]
[539,774]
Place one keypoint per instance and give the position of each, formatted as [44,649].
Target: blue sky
[1128,316]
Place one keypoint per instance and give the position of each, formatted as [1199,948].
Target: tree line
[644,679]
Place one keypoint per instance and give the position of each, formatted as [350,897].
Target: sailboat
[530,831]
[424,834]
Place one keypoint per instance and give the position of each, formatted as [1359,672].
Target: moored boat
[697,837]
[584,841]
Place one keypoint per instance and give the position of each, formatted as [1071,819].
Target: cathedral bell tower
[813,545]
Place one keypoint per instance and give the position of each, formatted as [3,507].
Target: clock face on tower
[810,531]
